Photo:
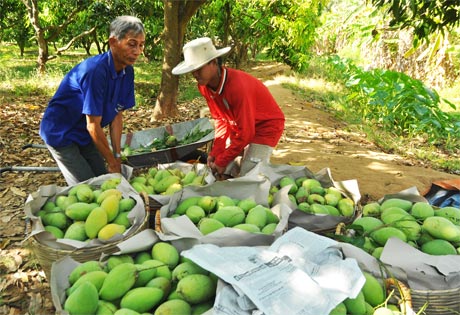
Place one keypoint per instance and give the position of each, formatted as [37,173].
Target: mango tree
[176,16]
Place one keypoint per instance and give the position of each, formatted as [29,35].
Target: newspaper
[301,273]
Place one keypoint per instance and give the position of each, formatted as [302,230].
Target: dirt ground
[313,138]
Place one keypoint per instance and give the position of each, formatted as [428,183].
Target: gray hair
[125,24]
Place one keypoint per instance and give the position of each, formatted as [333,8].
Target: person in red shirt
[247,119]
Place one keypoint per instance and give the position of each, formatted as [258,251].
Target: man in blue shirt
[93,95]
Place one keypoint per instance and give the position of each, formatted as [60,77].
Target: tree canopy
[424,16]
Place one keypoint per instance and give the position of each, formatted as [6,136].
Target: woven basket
[47,255]
[438,302]
[432,302]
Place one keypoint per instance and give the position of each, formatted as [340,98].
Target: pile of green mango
[156,281]
[88,212]
[165,142]
[166,181]
[210,213]
[308,195]
[433,230]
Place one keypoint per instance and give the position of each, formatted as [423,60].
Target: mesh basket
[46,255]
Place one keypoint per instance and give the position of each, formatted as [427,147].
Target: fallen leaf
[18,191]
[6,218]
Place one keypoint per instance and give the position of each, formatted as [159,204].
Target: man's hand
[115,167]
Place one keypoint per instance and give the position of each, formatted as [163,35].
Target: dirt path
[313,138]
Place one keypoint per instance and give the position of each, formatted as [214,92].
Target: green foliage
[284,29]
[398,104]
[425,17]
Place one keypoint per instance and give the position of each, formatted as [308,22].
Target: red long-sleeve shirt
[244,112]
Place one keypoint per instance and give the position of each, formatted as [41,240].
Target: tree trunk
[32,11]
[176,16]
[42,51]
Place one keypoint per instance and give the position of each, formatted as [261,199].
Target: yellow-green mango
[57,232]
[271,217]
[422,210]
[111,205]
[109,192]
[246,204]
[382,235]
[162,269]
[174,187]
[317,208]
[195,213]
[79,211]
[209,225]
[371,209]
[126,204]
[84,300]
[140,257]
[173,307]
[223,201]
[115,260]
[188,178]
[286,181]
[441,228]
[67,202]
[82,269]
[95,221]
[438,247]
[57,219]
[118,281]
[411,228]
[356,306]
[196,288]
[126,311]
[162,283]
[301,194]
[393,214]
[346,207]
[269,228]
[332,210]
[340,309]
[257,216]
[147,271]
[208,203]
[96,277]
[230,215]
[76,231]
[450,213]
[85,193]
[142,299]
[105,308]
[164,183]
[187,268]
[202,308]
[122,219]
[166,253]
[248,227]
[186,203]
[368,224]
[110,183]
[373,290]
[110,230]
[331,199]
[406,205]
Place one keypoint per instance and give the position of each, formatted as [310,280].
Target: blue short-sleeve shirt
[91,88]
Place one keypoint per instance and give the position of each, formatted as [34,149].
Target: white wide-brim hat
[197,53]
